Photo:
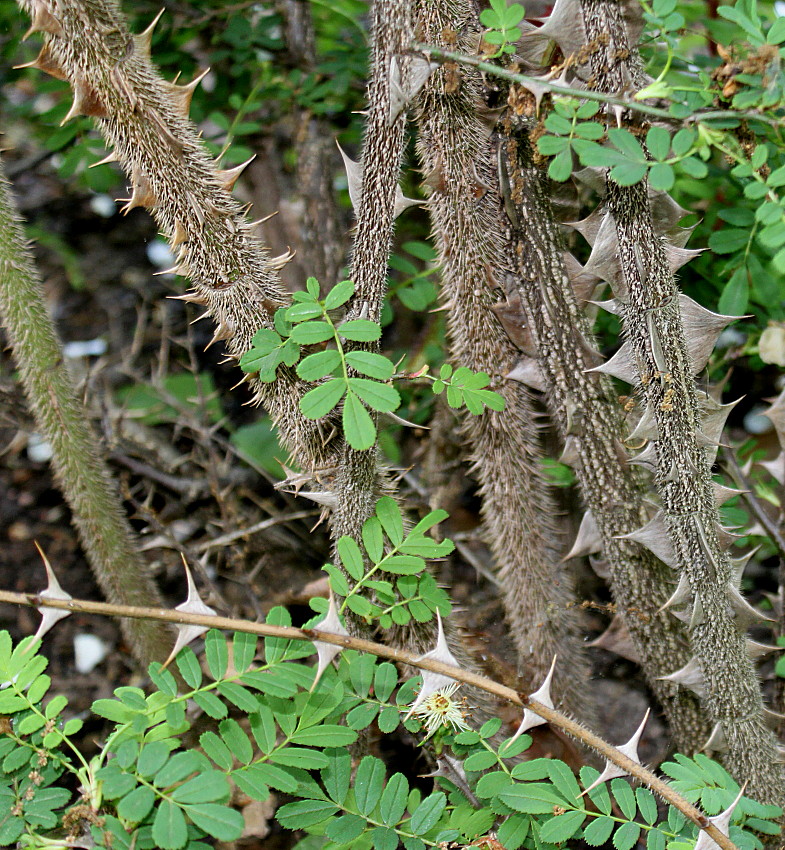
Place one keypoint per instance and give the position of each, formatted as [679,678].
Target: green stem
[62,419]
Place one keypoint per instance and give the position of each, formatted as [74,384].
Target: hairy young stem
[652,319]
[359,480]
[518,510]
[80,471]
[400,656]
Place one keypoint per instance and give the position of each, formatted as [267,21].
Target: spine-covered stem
[585,408]
[144,119]
[458,159]
[651,315]
[359,481]
[79,468]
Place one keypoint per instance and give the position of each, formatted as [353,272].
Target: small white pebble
[89,652]
[85,348]
[159,255]
[756,422]
[103,205]
[38,449]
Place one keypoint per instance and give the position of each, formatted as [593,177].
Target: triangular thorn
[184,94]
[722,822]
[542,695]
[690,676]
[47,63]
[432,682]
[43,21]
[327,651]
[192,605]
[630,749]
[588,539]
[229,176]
[50,616]
[144,40]
[112,157]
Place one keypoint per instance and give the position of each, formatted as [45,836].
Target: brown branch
[590,739]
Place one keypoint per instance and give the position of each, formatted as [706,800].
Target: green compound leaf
[339,295]
[625,797]
[319,401]
[329,735]
[304,813]
[351,557]
[389,515]
[362,716]
[360,330]
[404,565]
[480,760]
[590,130]
[385,678]
[221,822]
[112,710]
[189,668]
[629,173]
[626,836]
[373,365]
[627,144]
[369,784]
[558,125]
[274,776]
[337,773]
[562,827]
[427,814]
[346,829]
[532,798]
[299,757]
[309,333]
[179,766]
[239,696]
[560,167]
[728,241]
[598,831]
[379,396]
[217,653]
[646,804]
[210,704]
[319,365]
[236,740]
[312,287]
[170,831]
[250,783]
[303,312]
[373,539]
[243,650]
[662,177]
[384,838]
[205,788]
[389,718]
[392,804]
[136,805]
[552,145]
[358,426]
[152,758]
[512,833]
[658,141]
